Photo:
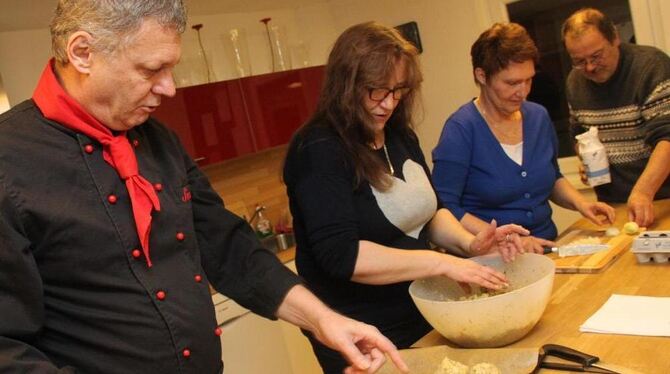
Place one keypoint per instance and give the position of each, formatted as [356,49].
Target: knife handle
[562,367]
[569,354]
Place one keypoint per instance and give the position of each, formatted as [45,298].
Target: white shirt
[514,151]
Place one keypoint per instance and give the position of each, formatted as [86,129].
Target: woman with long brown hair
[363,207]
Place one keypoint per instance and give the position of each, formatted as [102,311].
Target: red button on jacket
[160,295]
[180,236]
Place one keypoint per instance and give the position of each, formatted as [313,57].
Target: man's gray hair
[112,23]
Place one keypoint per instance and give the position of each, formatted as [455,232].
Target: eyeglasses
[594,59]
[380,94]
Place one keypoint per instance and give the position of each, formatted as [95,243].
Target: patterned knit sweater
[631,111]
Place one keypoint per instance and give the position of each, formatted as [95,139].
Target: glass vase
[238,51]
[281,58]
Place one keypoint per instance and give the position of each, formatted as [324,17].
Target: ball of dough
[484,368]
[630,228]
[449,366]
[612,231]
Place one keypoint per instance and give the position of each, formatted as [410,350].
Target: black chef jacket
[76,294]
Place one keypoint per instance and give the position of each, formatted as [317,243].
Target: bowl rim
[550,274]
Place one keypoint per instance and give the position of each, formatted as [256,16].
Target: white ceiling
[36,14]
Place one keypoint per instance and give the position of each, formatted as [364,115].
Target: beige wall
[447,31]
[23,55]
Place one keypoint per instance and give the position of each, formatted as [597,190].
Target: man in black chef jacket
[109,232]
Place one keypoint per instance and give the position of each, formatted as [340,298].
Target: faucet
[259,208]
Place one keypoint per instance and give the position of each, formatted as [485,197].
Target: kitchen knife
[579,249]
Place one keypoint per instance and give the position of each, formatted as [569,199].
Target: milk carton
[594,157]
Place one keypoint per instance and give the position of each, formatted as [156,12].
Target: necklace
[386,153]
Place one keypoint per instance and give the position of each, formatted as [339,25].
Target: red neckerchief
[60,107]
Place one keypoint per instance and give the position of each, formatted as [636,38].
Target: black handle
[569,354]
[560,366]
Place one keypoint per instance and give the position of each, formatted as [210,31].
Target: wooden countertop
[286,255]
[576,297]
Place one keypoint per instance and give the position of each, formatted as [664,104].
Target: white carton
[652,245]
[594,157]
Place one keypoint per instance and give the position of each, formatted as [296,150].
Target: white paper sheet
[631,315]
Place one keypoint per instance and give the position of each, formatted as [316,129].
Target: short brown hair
[366,55]
[501,44]
[585,18]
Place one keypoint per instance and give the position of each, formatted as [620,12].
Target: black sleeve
[234,260]
[21,302]
[321,190]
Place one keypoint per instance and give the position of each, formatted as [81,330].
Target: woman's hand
[467,271]
[591,210]
[504,239]
[534,244]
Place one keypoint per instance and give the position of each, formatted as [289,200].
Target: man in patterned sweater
[624,90]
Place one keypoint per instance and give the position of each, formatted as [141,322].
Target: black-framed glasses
[595,59]
[381,93]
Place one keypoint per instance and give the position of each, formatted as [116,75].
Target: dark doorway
[543,20]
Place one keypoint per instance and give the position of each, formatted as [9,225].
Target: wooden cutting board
[428,360]
[593,263]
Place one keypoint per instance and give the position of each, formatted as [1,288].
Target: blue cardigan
[473,174]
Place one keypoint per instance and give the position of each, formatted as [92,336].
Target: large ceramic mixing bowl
[491,321]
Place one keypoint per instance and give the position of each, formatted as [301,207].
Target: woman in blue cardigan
[497,155]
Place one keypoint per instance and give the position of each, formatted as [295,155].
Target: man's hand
[640,209]
[582,174]
[362,345]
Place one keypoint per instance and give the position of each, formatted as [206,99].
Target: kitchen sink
[278,242]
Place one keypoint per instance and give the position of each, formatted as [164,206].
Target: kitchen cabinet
[251,344]
[227,119]
[279,103]
[298,347]
[210,120]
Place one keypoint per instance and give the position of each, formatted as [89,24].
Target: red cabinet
[227,119]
